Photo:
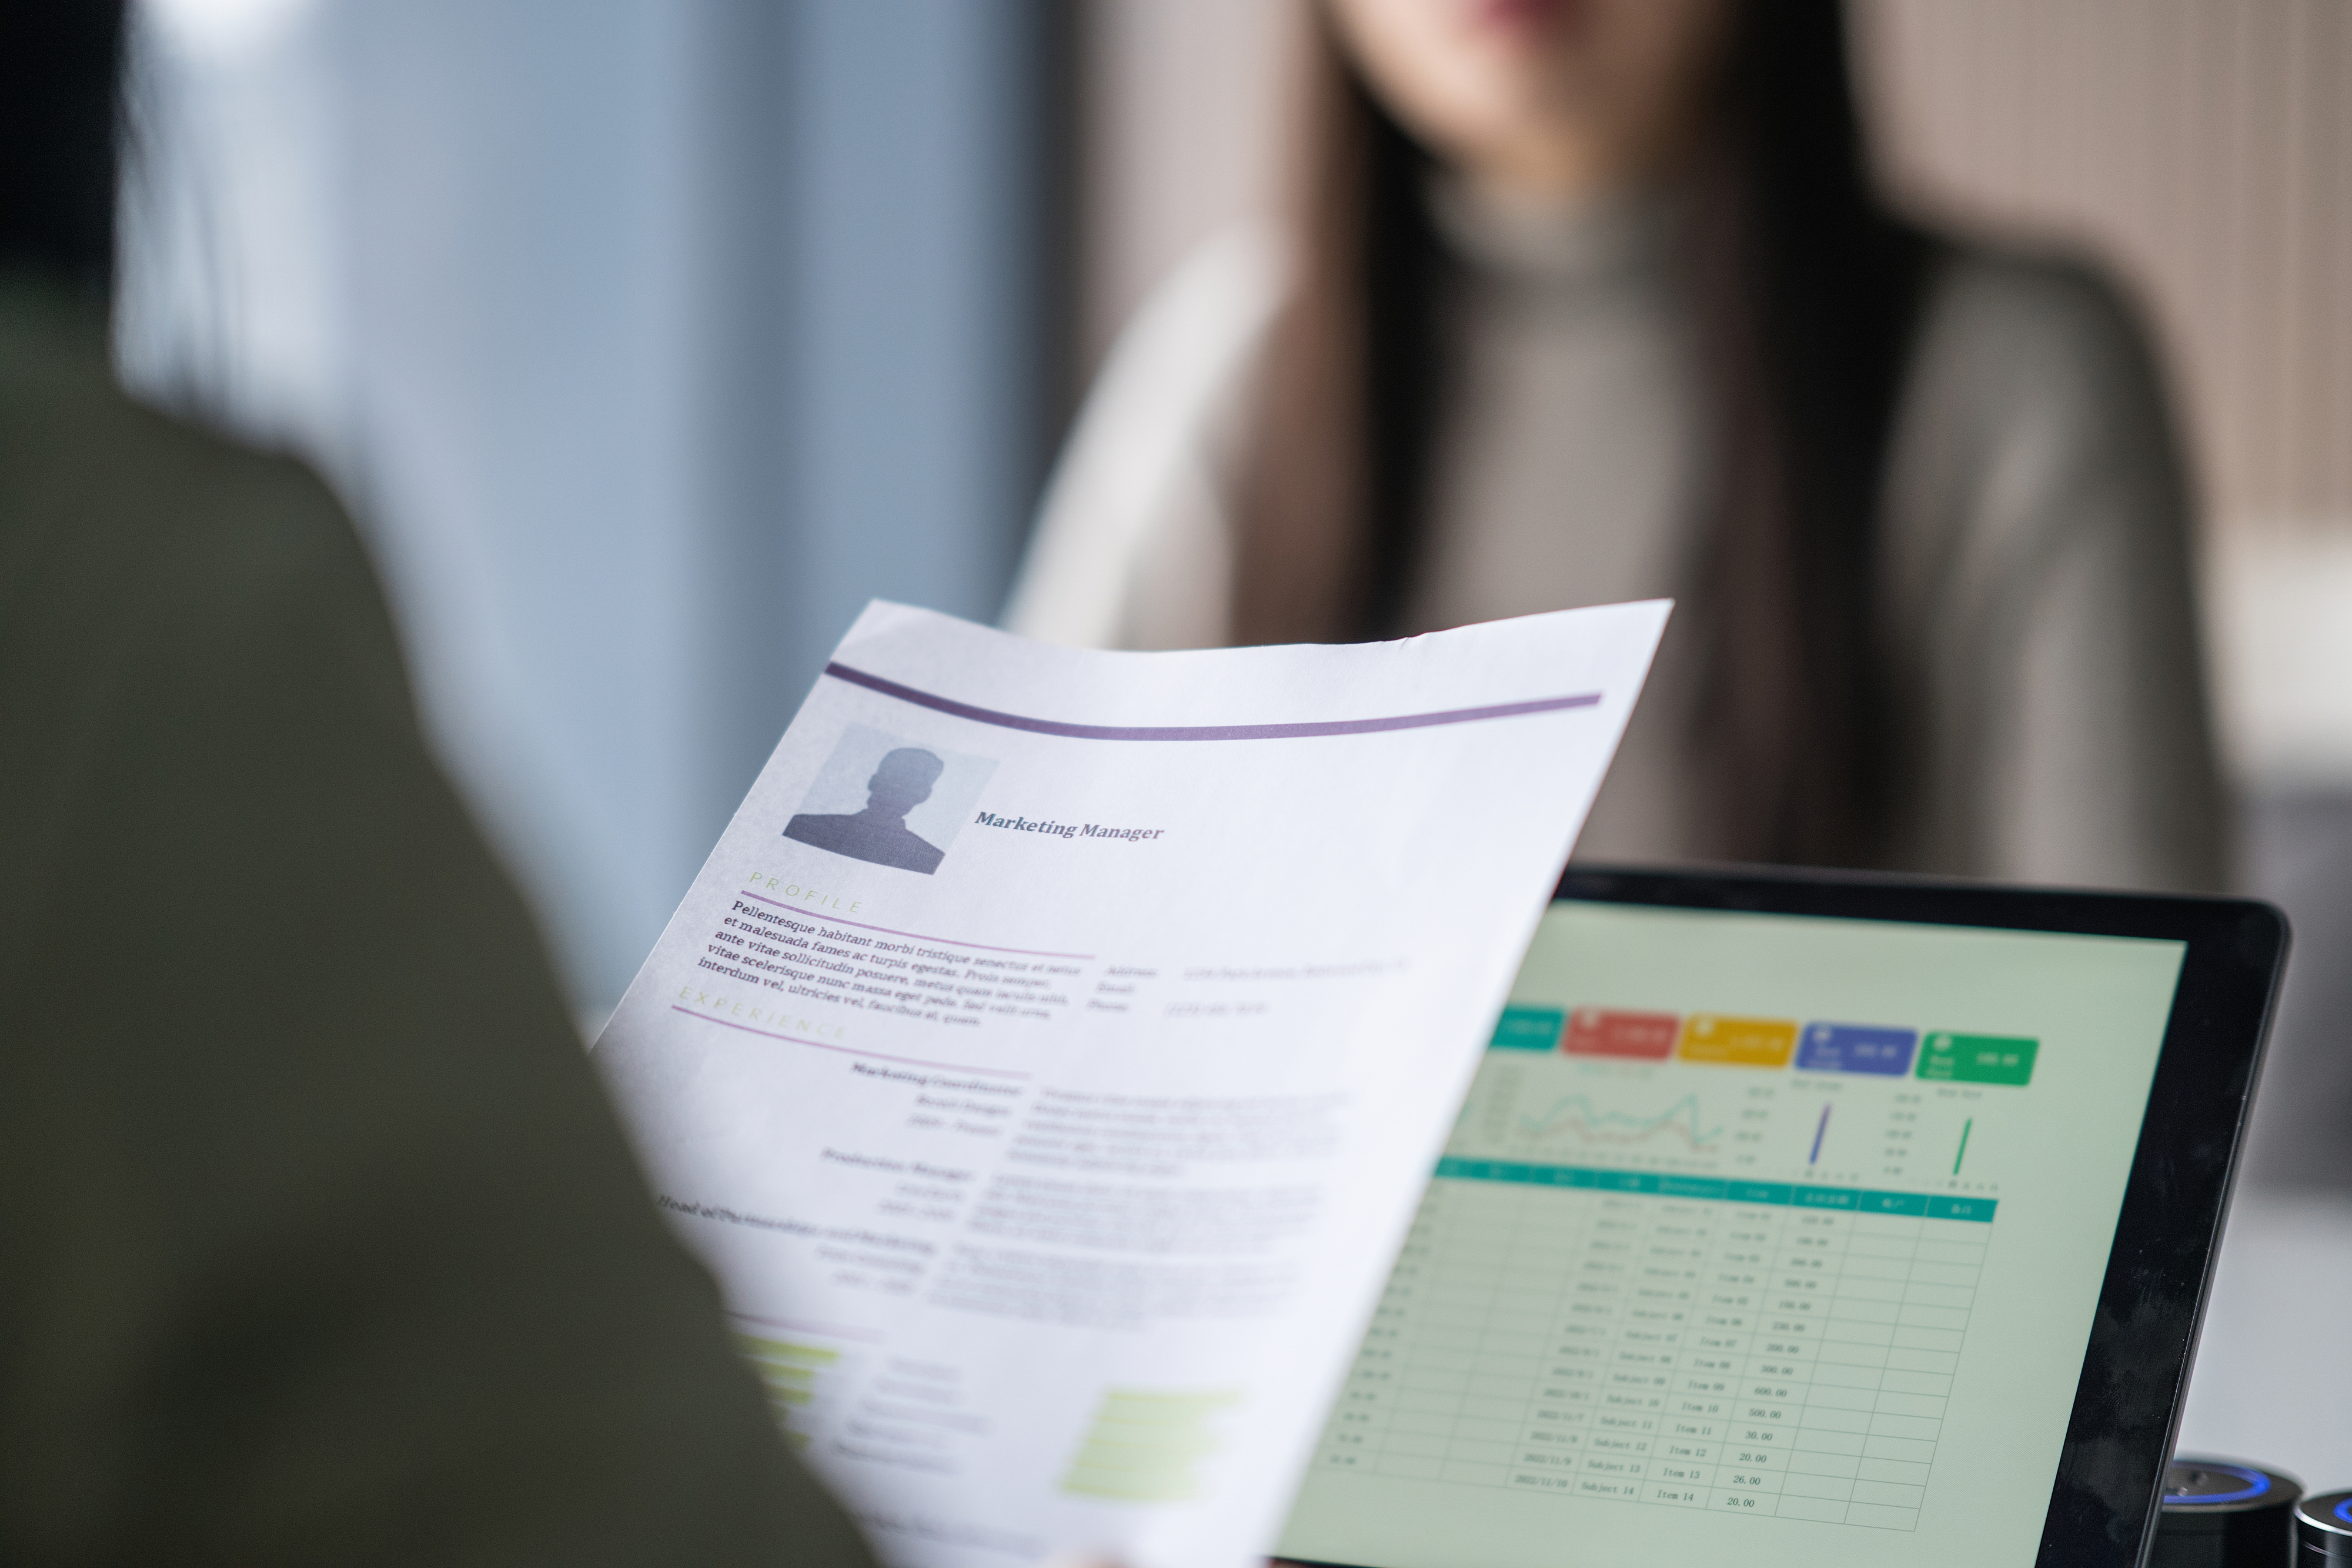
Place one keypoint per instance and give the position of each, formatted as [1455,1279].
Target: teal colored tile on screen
[1528,1029]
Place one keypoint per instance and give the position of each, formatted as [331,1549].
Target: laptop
[1794,1220]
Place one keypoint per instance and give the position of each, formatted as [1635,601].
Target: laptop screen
[1773,1237]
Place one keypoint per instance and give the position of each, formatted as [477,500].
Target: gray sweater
[2037,608]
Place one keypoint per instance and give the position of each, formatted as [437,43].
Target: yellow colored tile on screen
[1738,1042]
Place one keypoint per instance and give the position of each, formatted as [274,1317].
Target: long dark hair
[60,61]
[1804,288]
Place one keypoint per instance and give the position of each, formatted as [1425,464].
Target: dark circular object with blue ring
[2323,1529]
[2220,1513]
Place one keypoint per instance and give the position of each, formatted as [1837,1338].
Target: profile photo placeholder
[889,799]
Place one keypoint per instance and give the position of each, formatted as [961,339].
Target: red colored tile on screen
[1606,1031]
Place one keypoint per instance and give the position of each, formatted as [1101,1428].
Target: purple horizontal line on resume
[944,941]
[849,1050]
[1205,731]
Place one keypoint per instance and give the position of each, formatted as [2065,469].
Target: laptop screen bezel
[2105,1497]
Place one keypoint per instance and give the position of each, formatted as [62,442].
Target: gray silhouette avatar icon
[879,834]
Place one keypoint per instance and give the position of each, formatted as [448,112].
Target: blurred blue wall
[649,339]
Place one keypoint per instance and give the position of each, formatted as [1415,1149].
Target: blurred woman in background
[1588,300]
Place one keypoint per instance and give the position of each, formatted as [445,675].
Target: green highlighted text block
[791,1372]
[1143,1445]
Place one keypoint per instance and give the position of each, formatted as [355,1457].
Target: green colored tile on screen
[1528,1029]
[1978,1059]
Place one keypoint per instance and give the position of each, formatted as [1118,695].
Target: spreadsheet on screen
[1772,1234]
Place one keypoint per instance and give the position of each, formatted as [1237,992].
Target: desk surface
[2274,1378]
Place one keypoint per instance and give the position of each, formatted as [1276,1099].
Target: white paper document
[1052,1052]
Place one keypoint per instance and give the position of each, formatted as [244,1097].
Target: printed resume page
[1050,1056]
